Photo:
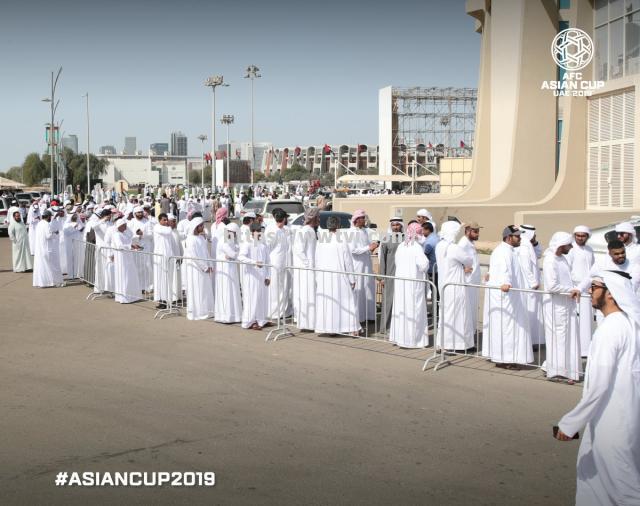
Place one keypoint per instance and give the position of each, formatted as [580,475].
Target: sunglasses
[595,286]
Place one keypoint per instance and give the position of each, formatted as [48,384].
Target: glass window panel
[632,5]
[616,53]
[616,8]
[564,4]
[602,51]
[632,44]
[601,12]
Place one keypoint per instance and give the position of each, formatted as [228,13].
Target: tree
[35,169]
[76,164]
[14,173]
[195,176]
[296,173]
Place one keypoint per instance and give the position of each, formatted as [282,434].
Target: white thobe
[365,291]
[145,269]
[505,337]
[277,239]
[228,308]
[633,251]
[560,320]
[33,218]
[336,306]
[103,264]
[474,278]
[608,468]
[528,256]
[199,282]
[453,323]
[71,231]
[163,248]
[175,266]
[46,262]
[127,286]
[20,254]
[581,259]
[304,281]
[409,326]
[254,290]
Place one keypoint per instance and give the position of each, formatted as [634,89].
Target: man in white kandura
[408,315]
[627,234]
[46,262]
[529,253]
[142,230]
[453,263]
[19,237]
[560,311]
[304,281]
[198,273]
[163,248]
[361,249]
[608,467]
[127,285]
[228,304]
[336,307]
[255,287]
[581,260]
[278,240]
[33,218]
[466,242]
[506,339]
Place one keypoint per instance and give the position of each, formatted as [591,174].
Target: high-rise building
[178,144]
[159,148]
[107,150]
[129,146]
[71,142]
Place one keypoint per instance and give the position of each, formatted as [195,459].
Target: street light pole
[227,119]
[203,138]
[213,82]
[252,73]
[54,106]
[88,159]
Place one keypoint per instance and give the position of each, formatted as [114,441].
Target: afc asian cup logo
[572,49]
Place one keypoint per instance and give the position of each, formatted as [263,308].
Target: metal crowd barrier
[228,291]
[318,291]
[471,332]
[84,258]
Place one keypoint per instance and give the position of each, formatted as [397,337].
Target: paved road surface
[97,386]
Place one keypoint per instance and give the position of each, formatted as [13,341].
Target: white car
[293,208]
[600,236]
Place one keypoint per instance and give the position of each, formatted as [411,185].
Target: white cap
[171,216]
[581,229]
[424,213]
[625,227]
[250,214]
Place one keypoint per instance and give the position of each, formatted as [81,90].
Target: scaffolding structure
[431,123]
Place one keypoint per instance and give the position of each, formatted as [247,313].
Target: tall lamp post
[214,82]
[252,73]
[54,106]
[88,159]
[203,138]
[227,119]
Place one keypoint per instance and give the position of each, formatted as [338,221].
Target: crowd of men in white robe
[324,280]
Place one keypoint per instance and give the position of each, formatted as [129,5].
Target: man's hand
[267,282]
[486,277]
[561,436]
[373,246]
[468,270]
[535,287]
[139,232]
[575,294]
[353,286]
[505,288]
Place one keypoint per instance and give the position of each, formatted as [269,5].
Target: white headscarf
[558,239]
[581,229]
[193,224]
[622,292]
[627,227]
[528,231]
[449,231]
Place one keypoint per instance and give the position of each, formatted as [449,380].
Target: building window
[611,151]
[558,144]
[617,38]
[564,4]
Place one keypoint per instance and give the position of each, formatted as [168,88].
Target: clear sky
[144,64]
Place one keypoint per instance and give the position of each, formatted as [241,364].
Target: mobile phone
[556,429]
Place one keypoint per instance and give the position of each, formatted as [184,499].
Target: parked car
[5,204]
[602,235]
[294,208]
[345,219]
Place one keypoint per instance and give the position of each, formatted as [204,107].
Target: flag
[430,145]
[462,144]
[326,149]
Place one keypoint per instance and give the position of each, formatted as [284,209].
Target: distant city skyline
[320,72]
